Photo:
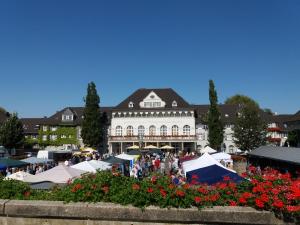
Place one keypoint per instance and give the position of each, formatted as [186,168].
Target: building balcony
[167,138]
[274,129]
[273,139]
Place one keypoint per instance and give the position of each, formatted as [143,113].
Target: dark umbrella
[156,151]
[4,163]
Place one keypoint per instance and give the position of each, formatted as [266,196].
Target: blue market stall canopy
[4,163]
[35,160]
[212,174]
[208,170]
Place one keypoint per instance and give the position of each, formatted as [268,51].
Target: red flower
[136,187]
[264,197]
[88,194]
[242,200]
[171,186]
[293,208]
[150,190]
[259,203]
[27,194]
[202,190]
[278,204]
[163,193]
[180,193]
[186,186]
[105,189]
[232,203]
[197,199]
[94,187]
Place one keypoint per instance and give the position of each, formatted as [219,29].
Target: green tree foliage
[269,111]
[241,100]
[11,133]
[250,130]
[294,138]
[215,126]
[91,132]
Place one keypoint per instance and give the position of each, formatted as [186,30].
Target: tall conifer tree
[11,133]
[215,126]
[91,132]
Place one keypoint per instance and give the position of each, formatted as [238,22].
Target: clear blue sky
[50,50]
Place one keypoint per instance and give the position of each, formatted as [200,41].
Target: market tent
[35,160]
[134,147]
[208,170]
[20,175]
[92,166]
[207,149]
[58,174]
[203,161]
[222,156]
[4,163]
[212,174]
[127,157]
[156,151]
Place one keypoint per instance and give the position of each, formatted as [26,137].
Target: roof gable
[166,95]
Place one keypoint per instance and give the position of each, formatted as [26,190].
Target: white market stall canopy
[92,166]
[203,161]
[207,149]
[20,175]
[127,157]
[221,156]
[58,174]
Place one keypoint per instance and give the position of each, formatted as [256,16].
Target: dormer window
[130,104]
[174,104]
[67,117]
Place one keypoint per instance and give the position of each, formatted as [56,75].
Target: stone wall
[54,213]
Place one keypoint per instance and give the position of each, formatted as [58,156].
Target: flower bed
[271,191]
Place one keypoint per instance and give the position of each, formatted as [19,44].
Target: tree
[294,138]
[269,111]
[215,126]
[250,130]
[91,132]
[11,133]
[241,100]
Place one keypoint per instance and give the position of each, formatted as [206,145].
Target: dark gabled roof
[290,155]
[168,95]
[56,119]
[32,125]
[228,112]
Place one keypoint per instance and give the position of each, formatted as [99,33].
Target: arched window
[174,130]
[231,148]
[186,130]
[152,130]
[118,131]
[129,131]
[163,130]
[141,130]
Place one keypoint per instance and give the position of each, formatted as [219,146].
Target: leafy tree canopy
[250,129]
[11,133]
[241,100]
